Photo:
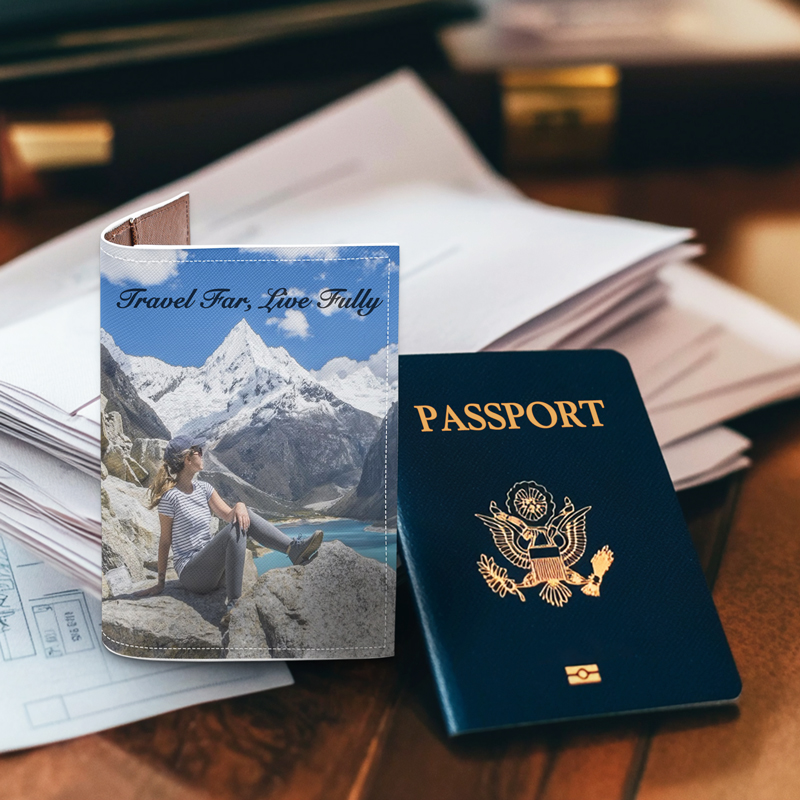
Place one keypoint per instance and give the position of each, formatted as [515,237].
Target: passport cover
[551,566]
[273,371]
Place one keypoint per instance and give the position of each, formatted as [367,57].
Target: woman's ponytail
[166,477]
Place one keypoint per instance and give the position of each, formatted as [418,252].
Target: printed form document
[60,682]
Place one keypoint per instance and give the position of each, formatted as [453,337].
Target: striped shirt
[191,520]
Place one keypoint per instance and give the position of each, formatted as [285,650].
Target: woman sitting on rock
[184,510]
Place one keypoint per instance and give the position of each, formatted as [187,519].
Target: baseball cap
[181,443]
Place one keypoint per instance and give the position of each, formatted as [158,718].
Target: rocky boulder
[174,624]
[341,605]
[115,448]
[130,529]
[149,453]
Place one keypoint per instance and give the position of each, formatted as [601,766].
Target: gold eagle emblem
[544,543]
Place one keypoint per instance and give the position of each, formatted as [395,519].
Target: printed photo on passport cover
[249,445]
[552,569]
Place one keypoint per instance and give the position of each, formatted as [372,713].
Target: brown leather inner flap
[167,224]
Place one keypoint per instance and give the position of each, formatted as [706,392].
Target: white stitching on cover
[385,470]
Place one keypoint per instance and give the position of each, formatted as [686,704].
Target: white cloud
[342,367]
[378,362]
[150,267]
[291,291]
[339,367]
[293,323]
[379,260]
[293,253]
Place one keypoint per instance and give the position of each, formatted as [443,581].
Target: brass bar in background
[62,144]
[559,117]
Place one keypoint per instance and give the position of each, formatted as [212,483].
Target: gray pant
[224,555]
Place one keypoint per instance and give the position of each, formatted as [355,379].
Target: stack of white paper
[482,268]
[49,387]
[52,508]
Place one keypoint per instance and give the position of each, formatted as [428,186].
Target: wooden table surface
[372,730]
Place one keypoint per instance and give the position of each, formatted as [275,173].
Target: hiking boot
[304,548]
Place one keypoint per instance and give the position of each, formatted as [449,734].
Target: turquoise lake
[371,544]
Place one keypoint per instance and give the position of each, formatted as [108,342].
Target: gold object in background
[556,117]
[62,144]
[763,258]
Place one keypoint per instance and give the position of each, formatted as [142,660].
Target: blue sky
[313,336]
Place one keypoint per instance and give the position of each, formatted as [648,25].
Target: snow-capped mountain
[241,377]
[270,421]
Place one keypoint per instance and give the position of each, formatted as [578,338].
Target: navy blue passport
[551,566]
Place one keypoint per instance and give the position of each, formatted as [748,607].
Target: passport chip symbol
[583,673]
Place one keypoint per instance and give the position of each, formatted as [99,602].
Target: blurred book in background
[696,81]
[537,85]
[43,38]
[627,33]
